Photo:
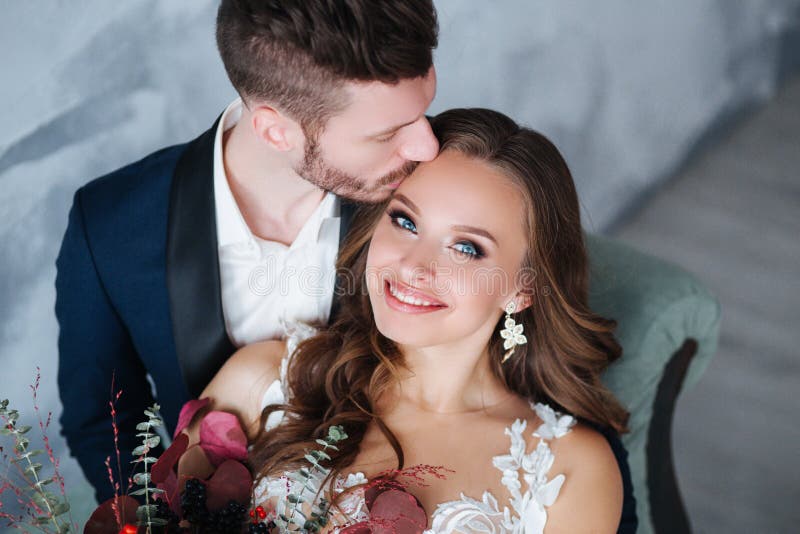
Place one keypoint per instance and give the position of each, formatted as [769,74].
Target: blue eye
[467,248]
[401,220]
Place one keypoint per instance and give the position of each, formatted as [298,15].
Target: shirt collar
[231,226]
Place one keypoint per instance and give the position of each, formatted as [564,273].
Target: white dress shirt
[266,285]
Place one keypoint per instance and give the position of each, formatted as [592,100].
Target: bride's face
[444,259]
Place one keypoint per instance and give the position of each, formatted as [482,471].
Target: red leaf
[171,493]
[359,528]
[401,509]
[222,437]
[187,413]
[104,518]
[231,481]
[166,462]
[377,486]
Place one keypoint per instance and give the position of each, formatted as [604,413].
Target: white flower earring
[512,333]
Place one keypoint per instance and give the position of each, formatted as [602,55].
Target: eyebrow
[459,227]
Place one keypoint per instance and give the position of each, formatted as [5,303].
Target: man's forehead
[379,106]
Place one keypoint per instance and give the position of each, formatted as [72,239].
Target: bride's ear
[522,301]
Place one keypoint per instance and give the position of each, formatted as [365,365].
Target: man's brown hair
[297,54]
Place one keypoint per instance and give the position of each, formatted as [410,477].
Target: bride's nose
[418,264]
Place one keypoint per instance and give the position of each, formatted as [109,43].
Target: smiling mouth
[408,300]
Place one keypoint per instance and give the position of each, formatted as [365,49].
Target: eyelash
[397,214]
[386,139]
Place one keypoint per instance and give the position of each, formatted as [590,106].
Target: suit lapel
[193,282]
[346,211]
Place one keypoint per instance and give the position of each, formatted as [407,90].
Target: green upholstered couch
[668,326]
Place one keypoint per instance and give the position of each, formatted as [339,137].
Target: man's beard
[318,172]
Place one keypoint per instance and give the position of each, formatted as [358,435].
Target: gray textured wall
[625,89]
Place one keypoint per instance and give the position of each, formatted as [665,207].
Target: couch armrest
[658,308]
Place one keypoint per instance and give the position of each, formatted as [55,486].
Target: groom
[171,263]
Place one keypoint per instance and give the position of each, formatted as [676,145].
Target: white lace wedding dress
[525,475]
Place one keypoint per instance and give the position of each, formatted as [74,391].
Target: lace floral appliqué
[526,513]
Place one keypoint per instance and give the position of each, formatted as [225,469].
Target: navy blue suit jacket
[137,293]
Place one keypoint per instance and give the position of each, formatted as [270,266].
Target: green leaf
[154,522]
[141,479]
[143,426]
[24,429]
[61,508]
[45,499]
[311,459]
[45,481]
[141,491]
[33,468]
[337,433]
[63,528]
[150,414]
[155,422]
[320,455]
[143,509]
[145,459]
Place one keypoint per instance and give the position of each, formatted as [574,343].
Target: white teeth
[408,299]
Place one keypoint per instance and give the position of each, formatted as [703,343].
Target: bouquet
[206,487]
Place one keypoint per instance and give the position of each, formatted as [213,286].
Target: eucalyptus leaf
[33,468]
[141,479]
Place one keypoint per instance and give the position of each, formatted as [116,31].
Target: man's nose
[420,143]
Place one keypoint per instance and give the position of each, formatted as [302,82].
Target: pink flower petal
[222,437]
[187,413]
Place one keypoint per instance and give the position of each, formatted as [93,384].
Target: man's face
[365,152]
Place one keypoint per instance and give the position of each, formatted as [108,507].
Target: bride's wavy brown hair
[337,376]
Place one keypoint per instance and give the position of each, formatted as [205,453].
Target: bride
[465,342]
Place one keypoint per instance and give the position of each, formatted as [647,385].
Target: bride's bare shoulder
[239,386]
[593,482]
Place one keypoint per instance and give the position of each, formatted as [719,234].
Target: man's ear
[276,129]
